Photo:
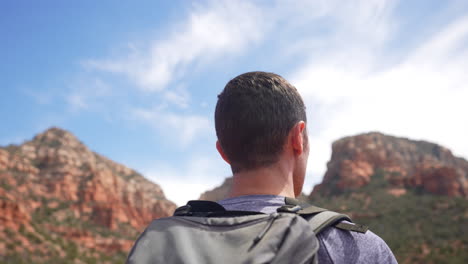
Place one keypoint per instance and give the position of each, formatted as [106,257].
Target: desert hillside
[62,203]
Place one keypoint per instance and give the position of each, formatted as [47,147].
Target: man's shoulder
[342,246]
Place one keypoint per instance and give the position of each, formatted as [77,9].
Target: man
[261,127]
[260,122]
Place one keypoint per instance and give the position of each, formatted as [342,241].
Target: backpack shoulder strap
[324,219]
[320,218]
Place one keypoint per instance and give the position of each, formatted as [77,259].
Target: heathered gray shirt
[336,245]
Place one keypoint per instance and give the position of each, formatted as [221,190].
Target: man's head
[255,114]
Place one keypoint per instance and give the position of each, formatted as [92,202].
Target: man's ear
[297,137]
[221,152]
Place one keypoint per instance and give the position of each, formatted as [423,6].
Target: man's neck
[272,180]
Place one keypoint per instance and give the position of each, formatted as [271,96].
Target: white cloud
[308,29]
[85,93]
[186,182]
[179,97]
[40,97]
[209,32]
[422,97]
[77,101]
[182,129]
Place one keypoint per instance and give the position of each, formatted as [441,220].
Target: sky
[137,81]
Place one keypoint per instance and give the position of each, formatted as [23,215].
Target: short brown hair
[253,117]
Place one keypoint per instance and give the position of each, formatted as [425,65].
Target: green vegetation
[12,149]
[419,227]
[130,176]
[55,143]
[56,244]
[5,185]
[37,163]
[20,177]
[9,232]
[33,238]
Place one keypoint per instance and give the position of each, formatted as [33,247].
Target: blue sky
[137,80]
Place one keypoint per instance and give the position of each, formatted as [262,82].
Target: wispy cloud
[179,97]
[85,94]
[209,32]
[39,97]
[181,129]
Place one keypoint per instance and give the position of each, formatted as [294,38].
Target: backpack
[204,232]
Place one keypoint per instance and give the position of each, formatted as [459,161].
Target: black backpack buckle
[184,210]
[199,208]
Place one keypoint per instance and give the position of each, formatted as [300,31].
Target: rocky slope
[218,193]
[59,201]
[406,163]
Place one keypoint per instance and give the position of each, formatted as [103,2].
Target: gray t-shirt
[336,245]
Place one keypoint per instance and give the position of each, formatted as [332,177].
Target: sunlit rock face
[404,164]
[55,189]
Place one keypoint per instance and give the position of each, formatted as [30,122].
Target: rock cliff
[58,199]
[405,164]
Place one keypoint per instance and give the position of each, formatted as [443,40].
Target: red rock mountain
[61,201]
[405,163]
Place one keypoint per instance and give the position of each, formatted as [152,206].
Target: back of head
[254,114]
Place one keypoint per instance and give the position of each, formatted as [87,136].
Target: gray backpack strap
[320,218]
[325,219]
[352,227]
[328,218]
